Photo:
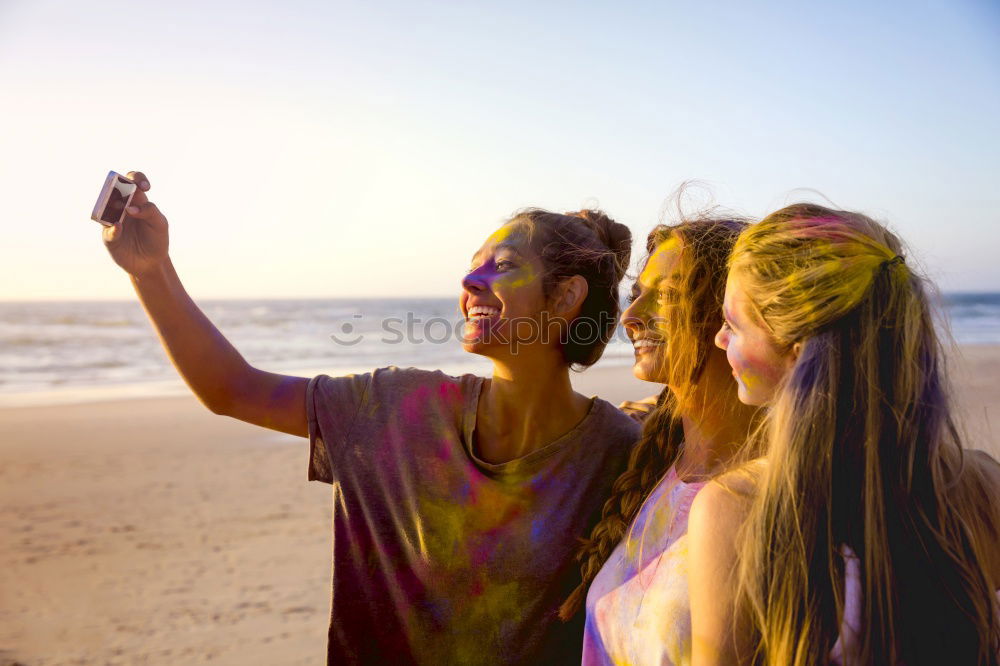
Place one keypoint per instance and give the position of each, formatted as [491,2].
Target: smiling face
[643,319]
[503,287]
[758,363]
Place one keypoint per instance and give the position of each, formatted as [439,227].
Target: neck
[528,403]
[716,425]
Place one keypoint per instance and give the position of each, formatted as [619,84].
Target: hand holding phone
[115,197]
[136,237]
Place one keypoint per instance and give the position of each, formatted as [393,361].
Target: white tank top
[638,608]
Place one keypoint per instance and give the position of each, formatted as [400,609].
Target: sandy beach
[152,531]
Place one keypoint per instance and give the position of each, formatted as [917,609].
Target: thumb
[112,234]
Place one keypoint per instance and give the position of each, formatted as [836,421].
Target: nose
[631,319]
[474,283]
[722,338]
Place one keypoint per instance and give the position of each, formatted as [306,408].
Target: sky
[344,149]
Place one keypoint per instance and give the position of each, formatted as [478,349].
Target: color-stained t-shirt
[438,556]
[638,608]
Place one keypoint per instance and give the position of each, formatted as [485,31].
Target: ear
[794,353]
[569,295]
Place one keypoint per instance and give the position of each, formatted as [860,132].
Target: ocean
[59,352]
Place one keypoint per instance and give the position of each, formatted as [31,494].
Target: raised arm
[218,375]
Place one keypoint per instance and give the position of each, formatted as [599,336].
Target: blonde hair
[862,450]
[691,323]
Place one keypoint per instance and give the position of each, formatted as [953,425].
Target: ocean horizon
[56,352]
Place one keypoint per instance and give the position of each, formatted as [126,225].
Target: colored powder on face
[750,381]
[524,275]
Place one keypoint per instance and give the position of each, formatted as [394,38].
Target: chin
[642,371]
[475,347]
[746,398]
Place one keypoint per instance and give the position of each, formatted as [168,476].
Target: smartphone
[116,195]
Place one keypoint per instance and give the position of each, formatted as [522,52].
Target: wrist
[158,273]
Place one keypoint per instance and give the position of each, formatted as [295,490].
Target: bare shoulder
[721,506]
[745,479]
[736,487]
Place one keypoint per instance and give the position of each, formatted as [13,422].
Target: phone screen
[117,200]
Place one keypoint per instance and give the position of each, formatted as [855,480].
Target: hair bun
[616,237]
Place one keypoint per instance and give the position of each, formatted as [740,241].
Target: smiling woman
[758,362]
[458,501]
[548,258]
[867,533]
[635,561]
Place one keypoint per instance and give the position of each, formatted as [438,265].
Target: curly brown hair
[689,326]
[590,244]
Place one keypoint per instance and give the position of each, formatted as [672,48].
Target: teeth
[483,310]
[643,343]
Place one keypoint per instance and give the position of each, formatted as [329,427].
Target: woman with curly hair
[635,561]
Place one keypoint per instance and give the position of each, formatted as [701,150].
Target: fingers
[139,197]
[637,410]
[139,178]
[143,211]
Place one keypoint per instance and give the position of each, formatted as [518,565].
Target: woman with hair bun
[866,533]
[457,501]
[636,561]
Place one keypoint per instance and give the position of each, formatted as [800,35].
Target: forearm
[209,364]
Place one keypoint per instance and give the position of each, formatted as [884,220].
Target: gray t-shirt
[438,556]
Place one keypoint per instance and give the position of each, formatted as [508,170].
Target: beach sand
[153,531]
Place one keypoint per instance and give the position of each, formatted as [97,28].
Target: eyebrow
[497,248]
[660,279]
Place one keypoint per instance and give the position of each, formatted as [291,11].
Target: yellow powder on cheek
[522,277]
[750,381]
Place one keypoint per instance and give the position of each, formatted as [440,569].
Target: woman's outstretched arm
[218,375]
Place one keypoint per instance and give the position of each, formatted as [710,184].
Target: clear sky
[368,148]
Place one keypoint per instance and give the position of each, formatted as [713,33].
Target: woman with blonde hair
[866,534]
[635,561]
